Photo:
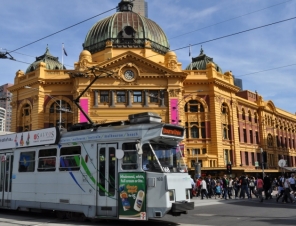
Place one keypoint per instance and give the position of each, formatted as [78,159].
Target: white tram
[134,170]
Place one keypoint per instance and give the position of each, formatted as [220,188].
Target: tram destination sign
[173,131]
[30,138]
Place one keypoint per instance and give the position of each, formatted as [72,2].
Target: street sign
[256,164]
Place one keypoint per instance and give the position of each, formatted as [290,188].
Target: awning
[293,169]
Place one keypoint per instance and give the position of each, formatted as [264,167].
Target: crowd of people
[246,187]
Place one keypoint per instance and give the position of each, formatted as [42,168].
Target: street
[207,212]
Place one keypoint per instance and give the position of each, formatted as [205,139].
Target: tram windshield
[162,158]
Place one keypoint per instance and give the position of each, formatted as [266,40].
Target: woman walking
[260,185]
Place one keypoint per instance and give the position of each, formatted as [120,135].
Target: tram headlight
[172,195]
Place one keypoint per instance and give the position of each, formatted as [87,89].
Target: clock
[129,75]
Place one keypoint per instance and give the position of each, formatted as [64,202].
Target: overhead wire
[175,36]
[221,22]
[63,29]
[225,36]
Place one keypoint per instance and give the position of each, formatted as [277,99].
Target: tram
[130,170]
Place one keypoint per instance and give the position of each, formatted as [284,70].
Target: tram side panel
[62,189]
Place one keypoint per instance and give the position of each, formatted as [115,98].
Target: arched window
[194,132]
[243,114]
[224,108]
[269,140]
[26,110]
[250,116]
[60,111]
[256,118]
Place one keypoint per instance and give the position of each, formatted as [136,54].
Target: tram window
[47,160]
[129,160]
[130,157]
[70,158]
[27,162]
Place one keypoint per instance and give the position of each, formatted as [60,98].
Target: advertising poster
[132,196]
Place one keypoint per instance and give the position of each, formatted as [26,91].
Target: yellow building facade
[135,71]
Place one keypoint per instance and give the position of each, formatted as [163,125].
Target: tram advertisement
[132,196]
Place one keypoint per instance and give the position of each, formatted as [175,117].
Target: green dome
[126,29]
[52,63]
[200,62]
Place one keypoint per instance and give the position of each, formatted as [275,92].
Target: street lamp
[55,100]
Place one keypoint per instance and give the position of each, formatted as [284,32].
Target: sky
[263,58]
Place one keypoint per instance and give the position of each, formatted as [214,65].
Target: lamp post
[55,100]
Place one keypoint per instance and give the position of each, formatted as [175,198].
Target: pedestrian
[267,187]
[260,185]
[287,190]
[230,187]
[252,187]
[198,186]
[292,182]
[280,188]
[204,191]
[225,186]
[244,187]
[236,187]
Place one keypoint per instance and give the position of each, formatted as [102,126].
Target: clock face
[129,74]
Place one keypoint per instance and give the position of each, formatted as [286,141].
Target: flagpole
[62,56]
[190,56]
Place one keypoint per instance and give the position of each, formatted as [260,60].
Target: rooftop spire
[125,5]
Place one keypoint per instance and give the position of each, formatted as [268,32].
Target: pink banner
[174,112]
[84,106]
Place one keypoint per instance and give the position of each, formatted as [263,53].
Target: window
[70,158]
[194,132]
[196,151]
[257,137]
[137,96]
[250,117]
[243,115]
[269,140]
[26,110]
[251,136]
[57,105]
[120,96]
[253,158]
[225,132]
[27,162]
[224,108]
[204,151]
[153,96]
[130,158]
[194,106]
[247,158]
[47,160]
[104,96]
[245,135]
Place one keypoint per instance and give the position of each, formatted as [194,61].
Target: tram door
[107,178]
[5,179]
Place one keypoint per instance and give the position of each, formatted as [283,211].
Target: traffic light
[228,169]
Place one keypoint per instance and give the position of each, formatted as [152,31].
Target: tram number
[166,169]
[159,178]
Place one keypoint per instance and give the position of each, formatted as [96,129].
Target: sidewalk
[212,201]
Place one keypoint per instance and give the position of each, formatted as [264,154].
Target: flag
[190,50]
[64,50]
